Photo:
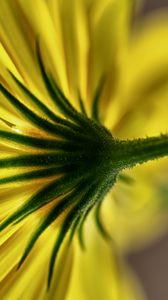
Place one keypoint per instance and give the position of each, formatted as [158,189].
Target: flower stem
[138,151]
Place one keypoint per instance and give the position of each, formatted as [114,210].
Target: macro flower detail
[59,158]
[84,157]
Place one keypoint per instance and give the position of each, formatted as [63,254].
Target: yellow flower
[73,76]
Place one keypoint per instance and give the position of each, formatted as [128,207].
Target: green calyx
[81,158]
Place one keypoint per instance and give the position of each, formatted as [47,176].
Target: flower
[67,74]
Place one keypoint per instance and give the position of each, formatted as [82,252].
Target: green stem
[132,152]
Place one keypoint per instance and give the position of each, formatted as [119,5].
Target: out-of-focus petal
[108,28]
[99,273]
[136,213]
[142,91]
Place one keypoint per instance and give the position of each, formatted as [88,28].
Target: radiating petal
[99,273]
[17,38]
[33,273]
[78,43]
[142,95]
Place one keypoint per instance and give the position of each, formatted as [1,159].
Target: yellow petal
[143,88]
[99,273]
[108,26]
[18,39]
[30,281]
[43,26]
[135,214]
